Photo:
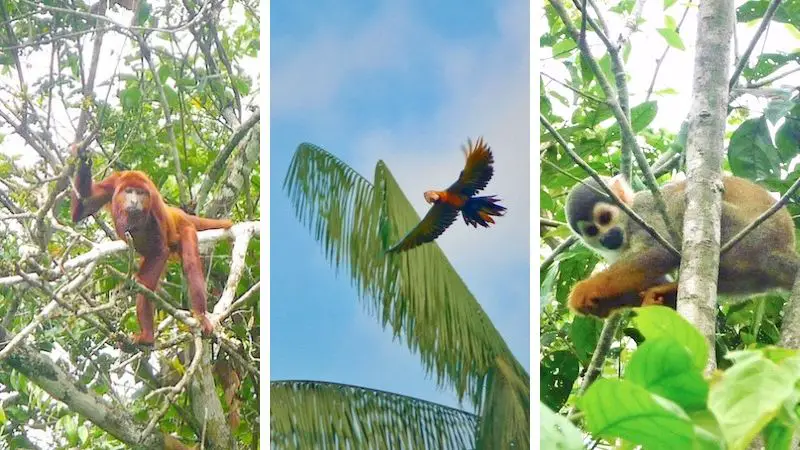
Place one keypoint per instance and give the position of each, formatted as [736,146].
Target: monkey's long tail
[202,223]
[479,210]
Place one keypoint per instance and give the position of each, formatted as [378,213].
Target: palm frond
[418,293]
[322,415]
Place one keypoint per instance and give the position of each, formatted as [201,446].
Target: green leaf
[787,139]
[660,321]
[668,3]
[619,408]
[751,153]
[3,418]
[672,37]
[641,116]
[164,72]
[355,221]
[583,334]
[749,395]
[558,372]
[778,108]
[562,49]
[558,433]
[130,98]
[664,367]
[669,22]
[172,98]
[309,414]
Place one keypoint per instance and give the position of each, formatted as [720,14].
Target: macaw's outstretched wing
[439,217]
[477,171]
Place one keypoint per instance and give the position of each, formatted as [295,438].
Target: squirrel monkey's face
[596,219]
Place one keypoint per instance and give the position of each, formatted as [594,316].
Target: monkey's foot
[663,294]
[146,339]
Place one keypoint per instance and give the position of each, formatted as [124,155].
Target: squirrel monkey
[765,259]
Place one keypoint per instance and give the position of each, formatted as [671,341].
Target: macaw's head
[431,196]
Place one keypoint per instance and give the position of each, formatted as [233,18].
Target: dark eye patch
[605,217]
[590,231]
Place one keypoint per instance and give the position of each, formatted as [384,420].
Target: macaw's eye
[591,231]
[605,217]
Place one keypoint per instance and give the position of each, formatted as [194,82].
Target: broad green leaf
[619,408]
[131,97]
[751,153]
[558,372]
[664,367]
[164,72]
[562,49]
[669,22]
[668,3]
[558,433]
[787,12]
[660,321]
[767,63]
[672,37]
[778,436]
[641,116]
[787,138]
[748,396]
[583,334]
[778,108]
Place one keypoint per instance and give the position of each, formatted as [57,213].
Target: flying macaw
[458,197]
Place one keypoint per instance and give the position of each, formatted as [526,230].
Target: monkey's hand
[597,297]
[618,286]
[662,294]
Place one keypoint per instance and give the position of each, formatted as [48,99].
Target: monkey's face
[135,201]
[596,220]
[603,231]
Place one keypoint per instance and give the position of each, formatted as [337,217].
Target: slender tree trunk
[701,229]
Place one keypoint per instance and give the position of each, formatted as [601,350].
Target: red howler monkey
[157,231]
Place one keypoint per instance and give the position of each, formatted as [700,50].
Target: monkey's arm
[89,197]
[619,285]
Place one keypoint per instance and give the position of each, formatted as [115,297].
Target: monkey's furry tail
[479,210]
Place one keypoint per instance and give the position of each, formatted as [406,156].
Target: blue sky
[406,82]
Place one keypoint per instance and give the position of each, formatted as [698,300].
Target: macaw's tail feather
[202,223]
[479,210]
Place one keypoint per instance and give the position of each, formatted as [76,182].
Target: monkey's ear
[623,190]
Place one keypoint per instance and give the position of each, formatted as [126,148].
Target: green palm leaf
[319,415]
[417,293]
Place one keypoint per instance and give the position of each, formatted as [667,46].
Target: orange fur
[157,231]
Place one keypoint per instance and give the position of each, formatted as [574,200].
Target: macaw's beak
[431,196]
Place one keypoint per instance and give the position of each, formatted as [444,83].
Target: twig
[764,216]
[771,79]
[667,47]
[215,170]
[174,391]
[550,223]
[575,90]
[773,6]
[562,247]
[622,119]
